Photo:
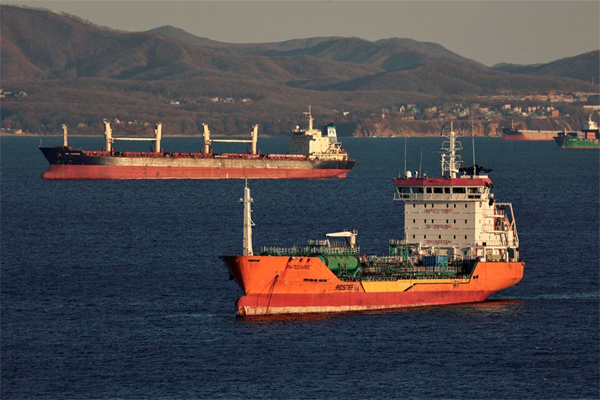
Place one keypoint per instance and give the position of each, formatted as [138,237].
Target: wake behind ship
[459,246]
[313,154]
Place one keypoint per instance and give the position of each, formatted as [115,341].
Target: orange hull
[287,285]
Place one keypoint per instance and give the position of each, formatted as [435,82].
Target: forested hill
[67,70]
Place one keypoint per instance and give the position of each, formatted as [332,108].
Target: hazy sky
[523,32]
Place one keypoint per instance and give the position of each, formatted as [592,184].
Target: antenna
[421,163]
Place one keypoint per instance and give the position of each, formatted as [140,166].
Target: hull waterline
[98,172]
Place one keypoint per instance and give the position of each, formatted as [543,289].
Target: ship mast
[248,224]
[450,161]
[473,143]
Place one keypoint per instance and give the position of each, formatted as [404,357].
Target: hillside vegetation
[60,69]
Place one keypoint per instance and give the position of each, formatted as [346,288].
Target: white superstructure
[456,215]
[316,145]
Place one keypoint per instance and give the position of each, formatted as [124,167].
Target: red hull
[65,171]
[528,135]
[277,304]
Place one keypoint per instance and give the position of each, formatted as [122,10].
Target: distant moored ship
[314,154]
[587,138]
[513,133]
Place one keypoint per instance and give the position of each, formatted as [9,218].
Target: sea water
[115,289]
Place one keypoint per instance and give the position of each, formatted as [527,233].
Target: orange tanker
[459,246]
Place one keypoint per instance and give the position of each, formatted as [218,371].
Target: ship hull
[566,142]
[285,304]
[68,164]
[275,285]
[526,135]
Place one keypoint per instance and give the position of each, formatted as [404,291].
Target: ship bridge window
[404,192]
[446,190]
[428,190]
[475,192]
[459,190]
[438,190]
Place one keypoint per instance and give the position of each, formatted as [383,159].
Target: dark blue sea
[114,289]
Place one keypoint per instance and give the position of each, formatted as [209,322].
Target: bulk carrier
[459,246]
[314,153]
[512,134]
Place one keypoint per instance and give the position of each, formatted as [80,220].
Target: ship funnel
[158,136]
[108,136]
[206,139]
[254,136]
[248,224]
[65,142]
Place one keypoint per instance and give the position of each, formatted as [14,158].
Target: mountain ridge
[74,71]
[584,67]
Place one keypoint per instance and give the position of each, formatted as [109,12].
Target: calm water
[115,289]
